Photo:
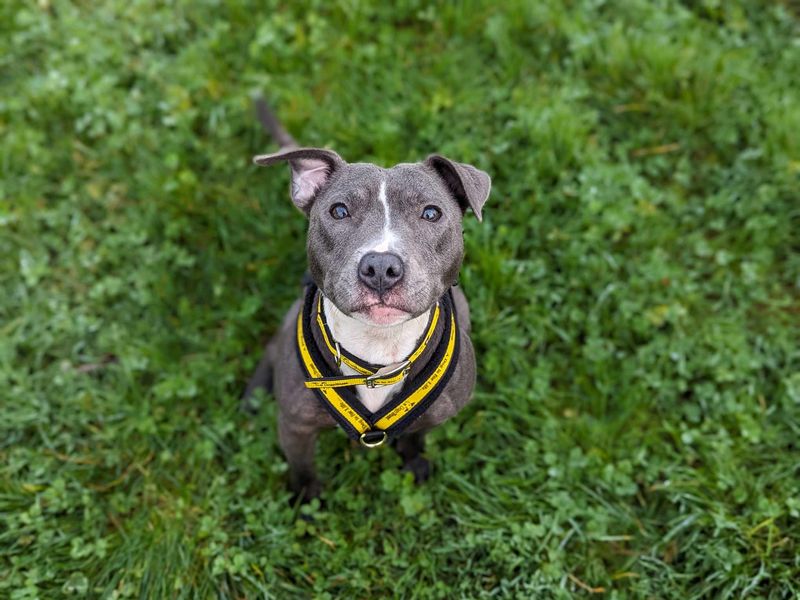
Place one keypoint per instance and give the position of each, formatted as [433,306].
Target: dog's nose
[380,270]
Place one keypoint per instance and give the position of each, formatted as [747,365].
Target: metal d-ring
[367,444]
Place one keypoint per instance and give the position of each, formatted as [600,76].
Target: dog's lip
[383,314]
[374,305]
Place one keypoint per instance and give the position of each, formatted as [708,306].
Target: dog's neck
[375,344]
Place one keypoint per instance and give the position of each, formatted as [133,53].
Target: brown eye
[431,213]
[339,211]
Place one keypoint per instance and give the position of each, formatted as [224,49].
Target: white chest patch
[377,345]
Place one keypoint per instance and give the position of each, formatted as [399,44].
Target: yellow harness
[337,391]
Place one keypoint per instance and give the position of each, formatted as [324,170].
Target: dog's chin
[381,315]
[387,310]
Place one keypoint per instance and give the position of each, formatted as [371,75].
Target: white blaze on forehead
[388,239]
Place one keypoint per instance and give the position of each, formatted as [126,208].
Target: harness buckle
[373,439]
[338,356]
[387,372]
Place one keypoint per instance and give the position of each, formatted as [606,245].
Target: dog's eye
[339,211]
[431,213]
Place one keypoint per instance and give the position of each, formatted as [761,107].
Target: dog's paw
[420,467]
[305,492]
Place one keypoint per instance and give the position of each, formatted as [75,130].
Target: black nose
[380,270]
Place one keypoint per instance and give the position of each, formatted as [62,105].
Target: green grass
[634,286]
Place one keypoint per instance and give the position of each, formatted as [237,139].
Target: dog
[379,343]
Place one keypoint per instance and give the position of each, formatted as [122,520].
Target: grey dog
[384,246]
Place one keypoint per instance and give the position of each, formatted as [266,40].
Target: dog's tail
[272,125]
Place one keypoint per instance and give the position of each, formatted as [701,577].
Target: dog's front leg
[298,441]
[410,447]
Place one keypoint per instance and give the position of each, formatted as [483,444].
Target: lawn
[635,293]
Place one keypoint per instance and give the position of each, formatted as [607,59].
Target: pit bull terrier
[379,343]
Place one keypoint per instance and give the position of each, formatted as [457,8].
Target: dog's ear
[311,170]
[469,185]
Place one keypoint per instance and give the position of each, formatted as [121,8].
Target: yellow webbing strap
[338,403]
[418,395]
[348,380]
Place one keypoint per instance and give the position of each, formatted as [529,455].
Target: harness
[426,372]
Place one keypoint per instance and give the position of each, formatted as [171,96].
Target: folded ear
[311,170]
[469,185]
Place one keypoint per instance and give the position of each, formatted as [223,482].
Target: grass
[634,289]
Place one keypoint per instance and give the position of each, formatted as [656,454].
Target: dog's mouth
[380,313]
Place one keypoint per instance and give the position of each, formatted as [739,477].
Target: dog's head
[383,244]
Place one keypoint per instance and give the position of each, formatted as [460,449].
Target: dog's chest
[377,345]
[376,397]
